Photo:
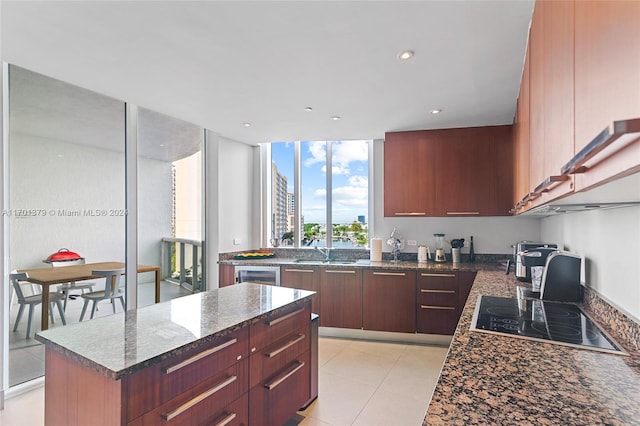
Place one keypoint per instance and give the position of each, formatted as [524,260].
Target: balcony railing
[182,263]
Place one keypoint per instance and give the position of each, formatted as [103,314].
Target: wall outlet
[412,243]
[236,241]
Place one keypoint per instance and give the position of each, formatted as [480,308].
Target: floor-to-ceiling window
[332,210]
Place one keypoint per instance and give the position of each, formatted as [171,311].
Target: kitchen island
[196,359]
[494,379]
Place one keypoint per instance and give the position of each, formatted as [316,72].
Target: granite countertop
[494,379]
[118,345]
[366,263]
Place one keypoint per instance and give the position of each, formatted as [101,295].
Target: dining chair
[32,301]
[111,290]
[66,288]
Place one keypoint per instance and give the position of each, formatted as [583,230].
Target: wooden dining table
[46,277]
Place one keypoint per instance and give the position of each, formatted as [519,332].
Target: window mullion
[298,231]
[329,219]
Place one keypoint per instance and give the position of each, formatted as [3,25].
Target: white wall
[491,235]
[610,242]
[53,176]
[236,171]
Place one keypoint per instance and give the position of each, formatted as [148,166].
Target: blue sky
[350,181]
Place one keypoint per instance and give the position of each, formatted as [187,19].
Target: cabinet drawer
[437,320]
[274,400]
[438,280]
[153,386]
[267,361]
[427,296]
[279,326]
[205,403]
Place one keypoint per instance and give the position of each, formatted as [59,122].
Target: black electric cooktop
[542,320]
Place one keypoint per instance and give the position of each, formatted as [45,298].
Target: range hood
[623,192]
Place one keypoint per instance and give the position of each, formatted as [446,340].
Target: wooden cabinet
[474,175]
[305,278]
[521,138]
[581,75]
[449,172]
[226,275]
[181,379]
[255,375]
[280,361]
[341,297]
[409,174]
[551,98]
[438,303]
[389,298]
[607,83]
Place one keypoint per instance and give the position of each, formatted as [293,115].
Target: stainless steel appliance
[561,277]
[541,320]
[258,274]
[522,272]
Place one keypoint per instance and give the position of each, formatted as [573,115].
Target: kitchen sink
[307,261]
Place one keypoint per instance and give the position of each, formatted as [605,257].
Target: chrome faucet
[326,252]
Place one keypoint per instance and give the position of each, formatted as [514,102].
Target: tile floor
[360,383]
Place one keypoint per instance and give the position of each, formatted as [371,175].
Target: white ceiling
[221,64]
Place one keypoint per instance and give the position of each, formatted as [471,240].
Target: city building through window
[331,180]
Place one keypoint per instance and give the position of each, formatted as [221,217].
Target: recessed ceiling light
[435,111]
[406,54]
[161,144]
[247,124]
[335,118]
[308,109]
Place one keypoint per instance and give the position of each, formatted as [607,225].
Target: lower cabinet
[280,372]
[440,299]
[388,300]
[256,375]
[305,278]
[341,297]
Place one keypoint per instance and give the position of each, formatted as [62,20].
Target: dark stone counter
[118,345]
[493,379]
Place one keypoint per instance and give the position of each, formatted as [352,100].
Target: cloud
[355,194]
[318,151]
[343,154]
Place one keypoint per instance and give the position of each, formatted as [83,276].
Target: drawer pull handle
[287,345]
[331,271]
[284,317]
[447,308]
[422,290]
[410,214]
[189,404]
[461,213]
[227,419]
[394,274]
[424,274]
[290,373]
[199,356]
[300,270]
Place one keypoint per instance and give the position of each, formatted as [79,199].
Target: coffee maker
[522,271]
[561,278]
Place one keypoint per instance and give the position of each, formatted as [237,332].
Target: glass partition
[66,195]
[170,202]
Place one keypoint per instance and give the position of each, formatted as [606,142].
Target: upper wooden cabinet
[449,172]
[409,174]
[521,138]
[607,83]
[551,99]
[581,74]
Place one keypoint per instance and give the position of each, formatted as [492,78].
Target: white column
[131,204]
